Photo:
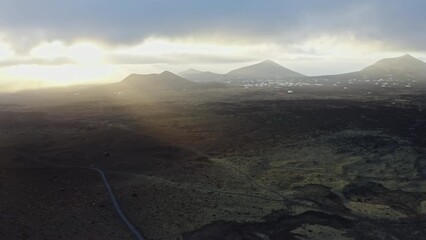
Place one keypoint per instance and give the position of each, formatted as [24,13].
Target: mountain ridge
[404,67]
[264,70]
[405,64]
[201,76]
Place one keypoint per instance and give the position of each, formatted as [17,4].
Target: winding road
[117,208]
[111,195]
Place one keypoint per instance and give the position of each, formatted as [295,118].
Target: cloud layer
[400,23]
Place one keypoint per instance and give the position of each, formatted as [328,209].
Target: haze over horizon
[48,43]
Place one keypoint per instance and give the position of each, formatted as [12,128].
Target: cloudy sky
[82,41]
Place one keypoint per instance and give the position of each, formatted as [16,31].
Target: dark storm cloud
[401,24]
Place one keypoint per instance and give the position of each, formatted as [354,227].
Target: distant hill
[266,70]
[135,85]
[201,76]
[403,68]
[163,81]
[189,72]
[262,71]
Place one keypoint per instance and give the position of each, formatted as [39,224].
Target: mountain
[404,66]
[200,76]
[266,70]
[262,71]
[163,81]
[189,72]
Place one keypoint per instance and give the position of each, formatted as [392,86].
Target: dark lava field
[217,164]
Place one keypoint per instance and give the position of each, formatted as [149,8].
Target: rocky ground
[241,165]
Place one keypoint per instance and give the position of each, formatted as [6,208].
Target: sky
[51,42]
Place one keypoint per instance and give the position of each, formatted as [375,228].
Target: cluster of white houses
[381,82]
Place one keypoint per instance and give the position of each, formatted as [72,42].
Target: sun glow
[60,75]
[49,50]
[5,51]
[84,53]
[45,65]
